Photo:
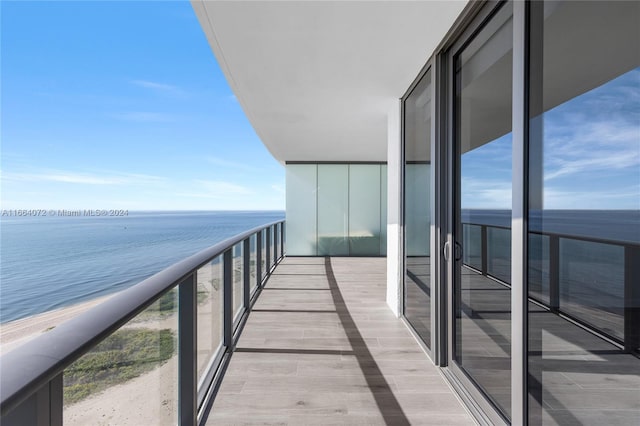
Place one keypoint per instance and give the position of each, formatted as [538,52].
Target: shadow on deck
[321,347]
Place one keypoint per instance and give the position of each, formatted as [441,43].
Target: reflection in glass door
[482,208]
[417,211]
[584,214]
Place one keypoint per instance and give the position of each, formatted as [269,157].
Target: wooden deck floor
[321,347]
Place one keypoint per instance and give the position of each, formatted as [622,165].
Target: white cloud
[82,178]
[623,198]
[486,194]
[159,87]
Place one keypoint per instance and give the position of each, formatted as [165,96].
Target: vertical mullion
[554,273]
[484,249]
[434,238]
[187,341]
[519,291]
[440,141]
[56,401]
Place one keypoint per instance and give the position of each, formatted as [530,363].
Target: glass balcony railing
[589,280]
[151,354]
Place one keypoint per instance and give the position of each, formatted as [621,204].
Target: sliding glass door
[481,204]
[584,213]
[417,208]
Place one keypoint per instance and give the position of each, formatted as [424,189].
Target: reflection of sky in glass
[592,148]
[591,154]
[486,175]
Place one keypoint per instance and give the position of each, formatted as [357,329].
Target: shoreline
[17,332]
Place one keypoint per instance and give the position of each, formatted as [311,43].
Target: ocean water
[51,262]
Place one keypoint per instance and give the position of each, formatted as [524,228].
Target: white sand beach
[151,397]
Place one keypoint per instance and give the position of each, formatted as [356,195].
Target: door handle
[457,251]
[445,251]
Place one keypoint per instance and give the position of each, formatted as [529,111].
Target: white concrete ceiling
[317,78]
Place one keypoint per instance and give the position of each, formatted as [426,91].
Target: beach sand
[18,332]
[151,397]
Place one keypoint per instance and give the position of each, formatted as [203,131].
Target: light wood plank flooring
[322,348]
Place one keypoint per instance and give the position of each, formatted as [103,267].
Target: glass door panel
[482,208]
[584,214]
[417,209]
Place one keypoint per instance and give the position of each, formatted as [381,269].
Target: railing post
[484,249]
[42,408]
[631,298]
[268,250]
[554,273]
[259,257]
[246,276]
[187,350]
[227,297]
[282,239]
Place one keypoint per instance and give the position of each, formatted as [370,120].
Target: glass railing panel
[270,248]
[130,378]
[539,279]
[209,278]
[237,277]
[279,239]
[592,284]
[499,253]
[274,256]
[472,242]
[253,257]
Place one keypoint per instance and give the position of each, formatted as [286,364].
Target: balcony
[236,333]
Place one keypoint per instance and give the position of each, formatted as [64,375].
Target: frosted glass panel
[364,209]
[333,209]
[301,209]
[383,209]
[417,213]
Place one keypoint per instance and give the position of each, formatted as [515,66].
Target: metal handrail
[631,315]
[29,367]
[565,236]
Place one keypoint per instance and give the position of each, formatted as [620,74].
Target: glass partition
[237,275]
[302,208]
[336,210]
[333,209]
[364,210]
[130,378]
[209,324]
[472,243]
[584,217]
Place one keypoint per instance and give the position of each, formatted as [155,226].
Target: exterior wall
[394,234]
[336,209]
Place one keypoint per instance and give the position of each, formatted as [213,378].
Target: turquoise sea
[51,262]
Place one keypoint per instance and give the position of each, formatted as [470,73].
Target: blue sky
[122,105]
